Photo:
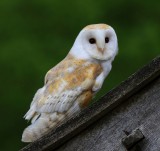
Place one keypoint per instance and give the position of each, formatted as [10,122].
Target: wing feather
[59,103]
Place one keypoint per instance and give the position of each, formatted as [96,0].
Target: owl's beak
[100,47]
[101,50]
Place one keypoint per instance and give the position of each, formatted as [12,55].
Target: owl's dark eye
[106,40]
[92,41]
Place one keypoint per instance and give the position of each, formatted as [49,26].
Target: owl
[71,84]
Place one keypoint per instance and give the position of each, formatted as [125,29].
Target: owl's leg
[98,83]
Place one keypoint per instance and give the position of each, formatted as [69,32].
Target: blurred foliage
[36,35]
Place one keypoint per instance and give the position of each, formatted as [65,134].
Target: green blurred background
[36,35]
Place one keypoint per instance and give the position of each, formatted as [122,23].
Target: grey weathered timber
[135,103]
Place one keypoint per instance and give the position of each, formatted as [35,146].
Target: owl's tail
[41,125]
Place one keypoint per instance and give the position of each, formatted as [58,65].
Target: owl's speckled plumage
[70,85]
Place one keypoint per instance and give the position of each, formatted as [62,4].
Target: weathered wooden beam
[89,115]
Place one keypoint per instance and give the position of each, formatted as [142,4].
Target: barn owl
[71,84]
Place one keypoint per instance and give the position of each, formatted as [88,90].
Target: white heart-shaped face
[98,41]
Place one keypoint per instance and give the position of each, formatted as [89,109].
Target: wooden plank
[141,111]
[108,102]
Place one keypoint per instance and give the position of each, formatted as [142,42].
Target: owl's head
[97,41]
